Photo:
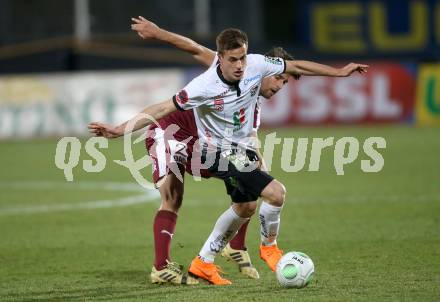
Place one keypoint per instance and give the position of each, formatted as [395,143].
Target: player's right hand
[348,69]
[105,130]
[144,28]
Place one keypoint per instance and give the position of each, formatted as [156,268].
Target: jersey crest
[182,97]
[219,104]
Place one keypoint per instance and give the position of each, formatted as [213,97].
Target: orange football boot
[207,271]
[271,254]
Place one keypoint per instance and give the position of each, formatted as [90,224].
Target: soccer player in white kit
[223,99]
[162,150]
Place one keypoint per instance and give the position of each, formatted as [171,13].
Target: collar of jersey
[233,84]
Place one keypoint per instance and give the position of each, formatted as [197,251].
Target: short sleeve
[191,96]
[214,62]
[270,65]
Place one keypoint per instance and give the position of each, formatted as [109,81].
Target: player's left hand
[105,130]
[353,67]
[144,28]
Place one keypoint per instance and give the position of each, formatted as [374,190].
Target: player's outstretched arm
[148,30]
[298,67]
[141,120]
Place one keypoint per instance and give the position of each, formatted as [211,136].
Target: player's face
[272,84]
[233,63]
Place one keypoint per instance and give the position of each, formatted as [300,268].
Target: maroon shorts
[175,151]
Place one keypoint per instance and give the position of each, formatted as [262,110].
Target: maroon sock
[163,228]
[238,242]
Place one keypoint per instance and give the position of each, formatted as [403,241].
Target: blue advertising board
[372,27]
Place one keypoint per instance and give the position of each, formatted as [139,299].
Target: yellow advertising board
[428,95]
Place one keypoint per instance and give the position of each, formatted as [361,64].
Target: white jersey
[224,112]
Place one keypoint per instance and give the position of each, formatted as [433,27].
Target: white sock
[224,230]
[269,223]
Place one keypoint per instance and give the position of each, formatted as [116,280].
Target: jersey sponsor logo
[219,104]
[272,60]
[254,90]
[248,80]
[219,96]
[182,97]
[239,119]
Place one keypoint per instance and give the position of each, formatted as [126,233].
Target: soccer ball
[295,269]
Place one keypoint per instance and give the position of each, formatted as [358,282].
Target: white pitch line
[146,197]
[82,185]
[89,205]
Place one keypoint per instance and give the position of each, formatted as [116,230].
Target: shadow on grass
[112,285]
[109,285]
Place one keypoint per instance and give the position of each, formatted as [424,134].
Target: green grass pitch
[372,236]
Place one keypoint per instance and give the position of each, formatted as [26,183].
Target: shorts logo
[276,61]
[219,104]
[239,119]
[179,150]
[182,97]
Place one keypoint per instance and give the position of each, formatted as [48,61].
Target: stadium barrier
[63,104]
[385,94]
[428,95]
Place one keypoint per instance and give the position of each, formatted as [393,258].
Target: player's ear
[220,56]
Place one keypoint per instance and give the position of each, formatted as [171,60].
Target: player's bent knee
[172,202]
[171,199]
[175,200]
[245,209]
[282,193]
[274,193]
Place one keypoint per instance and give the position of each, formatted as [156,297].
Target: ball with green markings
[295,269]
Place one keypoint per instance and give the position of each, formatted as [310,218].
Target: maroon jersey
[185,122]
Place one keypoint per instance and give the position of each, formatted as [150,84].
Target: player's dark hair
[231,38]
[280,52]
